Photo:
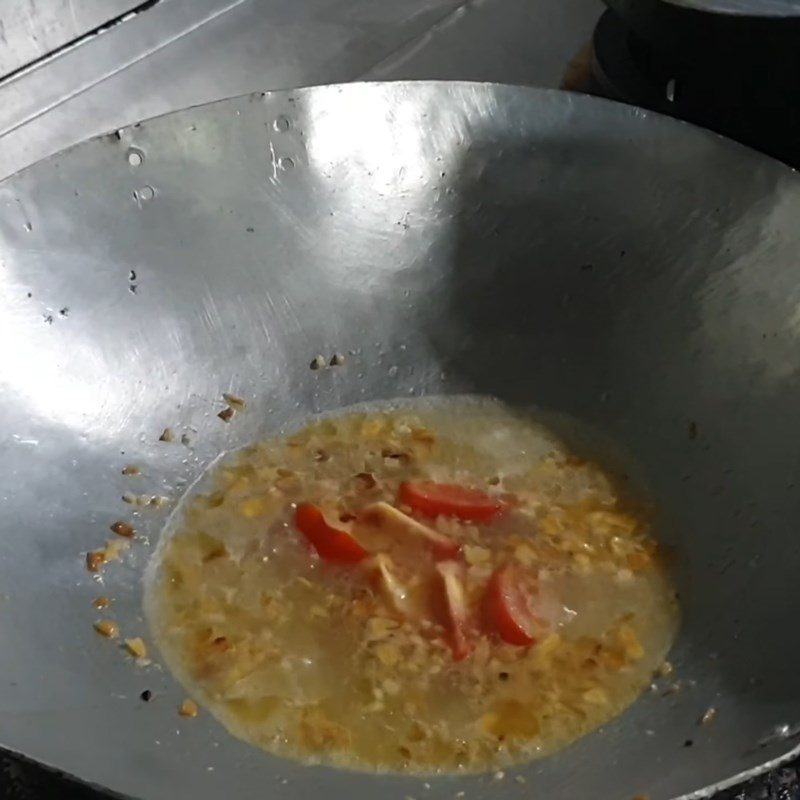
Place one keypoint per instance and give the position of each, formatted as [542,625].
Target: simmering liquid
[434,587]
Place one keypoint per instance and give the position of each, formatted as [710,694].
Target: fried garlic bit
[665,670]
[107,628]
[122,529]
[233,400]
[136,647]
[709,716]
[95,559]
[188,708]
[157,501]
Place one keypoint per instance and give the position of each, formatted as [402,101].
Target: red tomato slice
[509,605]
[331,543]
[454,610]
[450,500]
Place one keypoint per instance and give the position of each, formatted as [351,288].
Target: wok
[594,260]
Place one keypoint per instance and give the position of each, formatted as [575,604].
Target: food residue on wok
[427,588]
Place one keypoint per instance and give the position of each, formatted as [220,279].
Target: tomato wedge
[509,605]
[450,500]
[453,608]
[332,544]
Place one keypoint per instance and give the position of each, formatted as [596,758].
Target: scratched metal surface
[444,229]
[181,53]
[30,29]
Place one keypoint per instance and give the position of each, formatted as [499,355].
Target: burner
[735,73]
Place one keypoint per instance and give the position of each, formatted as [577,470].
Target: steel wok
[594,260]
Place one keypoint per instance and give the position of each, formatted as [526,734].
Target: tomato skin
[332,544]
[446,550]
[453,609]
[507,606]
[460,645]
[450,500]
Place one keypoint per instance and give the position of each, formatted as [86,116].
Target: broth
[389,636]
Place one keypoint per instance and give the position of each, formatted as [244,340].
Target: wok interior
[616,270]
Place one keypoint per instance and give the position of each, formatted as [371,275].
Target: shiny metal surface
[589,258]
[30,29]
[181,53]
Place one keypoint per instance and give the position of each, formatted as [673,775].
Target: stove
[729,65]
